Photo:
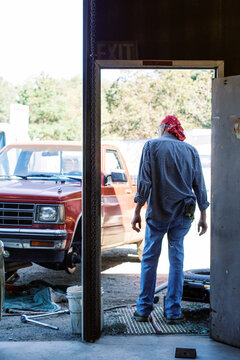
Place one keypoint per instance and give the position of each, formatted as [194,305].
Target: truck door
[225,211]
[117,200]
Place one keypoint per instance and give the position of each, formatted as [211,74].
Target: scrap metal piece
[49,314]
[25,319]
[155,325]
[30,319]
[185,353]
[10,278]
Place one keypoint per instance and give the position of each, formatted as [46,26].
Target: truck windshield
[40,162]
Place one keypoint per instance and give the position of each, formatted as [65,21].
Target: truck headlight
[50,213]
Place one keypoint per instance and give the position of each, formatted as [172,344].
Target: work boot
[175,321]
[140,318]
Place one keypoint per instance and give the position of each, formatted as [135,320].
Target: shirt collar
[169,136]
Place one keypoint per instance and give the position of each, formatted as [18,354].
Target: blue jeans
[155,231]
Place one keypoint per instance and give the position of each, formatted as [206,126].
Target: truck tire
[72,258]
[202,275]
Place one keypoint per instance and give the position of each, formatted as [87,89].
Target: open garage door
[225,248]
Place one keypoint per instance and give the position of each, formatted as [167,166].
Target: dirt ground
[120,287]
[120,280]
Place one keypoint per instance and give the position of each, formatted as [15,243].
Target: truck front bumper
[22,238]
[21,244]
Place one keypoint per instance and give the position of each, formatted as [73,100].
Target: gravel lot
[120,282]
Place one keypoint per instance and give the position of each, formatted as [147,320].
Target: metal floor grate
[125,316]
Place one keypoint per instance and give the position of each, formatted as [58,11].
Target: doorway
[120,83]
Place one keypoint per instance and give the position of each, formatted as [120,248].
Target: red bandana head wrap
[174,127]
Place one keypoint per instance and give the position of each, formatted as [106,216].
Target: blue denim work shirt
[170,175]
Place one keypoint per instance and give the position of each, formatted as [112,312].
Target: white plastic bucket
[74,296]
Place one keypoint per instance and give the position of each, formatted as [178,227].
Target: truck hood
[38,190]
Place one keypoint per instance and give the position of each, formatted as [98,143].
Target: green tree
[64,130]
[43,96]
[55,107]
[136,103]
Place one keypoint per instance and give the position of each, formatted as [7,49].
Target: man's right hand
[136,220]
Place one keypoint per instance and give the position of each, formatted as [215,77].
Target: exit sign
[123,50]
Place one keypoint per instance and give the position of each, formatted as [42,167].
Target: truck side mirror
[119,176]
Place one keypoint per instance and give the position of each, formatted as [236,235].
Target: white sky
[40,36]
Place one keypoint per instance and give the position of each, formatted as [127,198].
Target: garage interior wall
[154,30]
[172,29]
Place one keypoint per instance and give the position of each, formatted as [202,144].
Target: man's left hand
[202,224]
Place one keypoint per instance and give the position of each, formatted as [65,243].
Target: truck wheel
[71,261]
[140,247]
[202,275]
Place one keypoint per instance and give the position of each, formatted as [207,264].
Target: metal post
[2,277]
[91,244]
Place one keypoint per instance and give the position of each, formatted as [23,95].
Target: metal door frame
[91,243]
[218,65]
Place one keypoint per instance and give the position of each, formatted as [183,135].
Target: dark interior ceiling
[173,29]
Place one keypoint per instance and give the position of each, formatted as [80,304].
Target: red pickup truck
[41,208]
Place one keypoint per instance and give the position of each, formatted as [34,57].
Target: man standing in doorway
[170,179]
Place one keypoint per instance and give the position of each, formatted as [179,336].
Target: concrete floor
[119,348]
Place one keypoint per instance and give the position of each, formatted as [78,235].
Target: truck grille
[16,214]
